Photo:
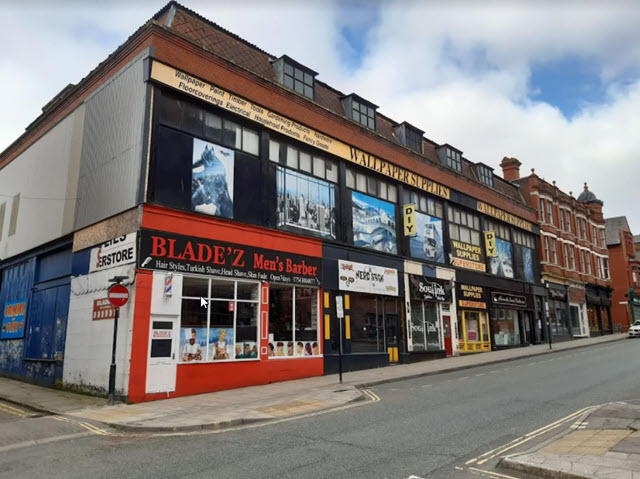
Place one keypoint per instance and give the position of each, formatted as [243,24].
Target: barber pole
[168,284]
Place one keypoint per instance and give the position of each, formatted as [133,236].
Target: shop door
[162,363]
[527,327]
[446,325]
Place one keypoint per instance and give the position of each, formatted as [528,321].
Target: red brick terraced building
[573,255]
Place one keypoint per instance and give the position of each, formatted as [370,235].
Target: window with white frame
[565,258]
[293,321]
[561,216]
[567,214]
[543,219]
[554,251]
[605,268]
[547,257]
[227,329]
[572,257]
[550,212]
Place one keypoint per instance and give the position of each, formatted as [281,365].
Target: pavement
[603,443]
[270,402]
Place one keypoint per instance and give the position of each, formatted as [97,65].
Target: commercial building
[269,227]
[625,273]
[574,258]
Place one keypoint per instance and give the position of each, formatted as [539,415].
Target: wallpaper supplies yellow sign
[490,243]
[409,213]
[217,96]
[503,216]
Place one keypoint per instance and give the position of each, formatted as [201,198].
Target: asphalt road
[425,427]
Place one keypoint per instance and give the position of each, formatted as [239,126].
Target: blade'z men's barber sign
[165,251]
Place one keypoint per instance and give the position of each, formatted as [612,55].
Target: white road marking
[532,435]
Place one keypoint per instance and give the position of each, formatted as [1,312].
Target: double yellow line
[85,425]
[15,411]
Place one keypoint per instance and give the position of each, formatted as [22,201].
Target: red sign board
[102,309]
[118,295]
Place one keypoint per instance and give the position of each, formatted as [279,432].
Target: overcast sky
[557,87]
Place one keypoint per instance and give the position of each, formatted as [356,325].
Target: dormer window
[360,110]
[485,174]
[450,157]
[409,136]
[295,76]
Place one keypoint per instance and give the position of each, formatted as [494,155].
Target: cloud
[459,70]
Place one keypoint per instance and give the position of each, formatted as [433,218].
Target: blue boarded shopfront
[34,297]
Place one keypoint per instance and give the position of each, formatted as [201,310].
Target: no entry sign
[118,295]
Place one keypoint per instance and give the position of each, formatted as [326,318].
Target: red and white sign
[162,334]
[103,309]
[118,295]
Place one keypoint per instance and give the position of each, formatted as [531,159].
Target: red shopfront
[221,305]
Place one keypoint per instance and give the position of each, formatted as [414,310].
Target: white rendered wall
[46,177]
[88,347]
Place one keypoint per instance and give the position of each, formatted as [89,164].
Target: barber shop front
[225,306]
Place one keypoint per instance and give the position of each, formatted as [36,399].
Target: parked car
[634,329]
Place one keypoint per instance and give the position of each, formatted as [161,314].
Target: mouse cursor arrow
[203,302]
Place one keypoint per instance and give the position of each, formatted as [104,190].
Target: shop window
[374,323]
[306,203]
[227,329]
[463,226]
[293,321]
[424,326]
[506,327]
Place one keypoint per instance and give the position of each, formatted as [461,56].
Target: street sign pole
[340,317]
[118,295]
[112,369]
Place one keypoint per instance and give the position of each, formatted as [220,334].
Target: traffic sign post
[118,296]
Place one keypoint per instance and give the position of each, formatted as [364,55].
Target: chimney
[510,168]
